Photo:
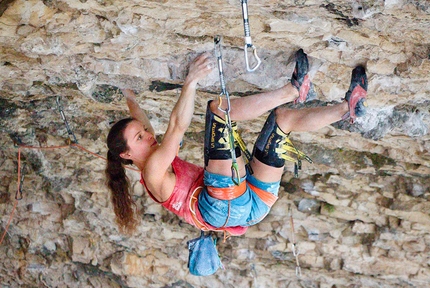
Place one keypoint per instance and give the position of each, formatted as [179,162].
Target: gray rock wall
[361,211]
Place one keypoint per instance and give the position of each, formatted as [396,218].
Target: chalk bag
[203,259]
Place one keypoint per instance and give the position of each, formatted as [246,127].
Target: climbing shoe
[300,78]
[356,95]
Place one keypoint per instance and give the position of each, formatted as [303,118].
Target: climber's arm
[135,111]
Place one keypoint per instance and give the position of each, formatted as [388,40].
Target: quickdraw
[18,195]
[235,176]
[293,243]
[248,40]
[63,116]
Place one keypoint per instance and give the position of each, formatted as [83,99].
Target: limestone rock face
[361,210]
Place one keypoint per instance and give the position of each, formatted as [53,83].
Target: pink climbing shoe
[356,95]
[300,78]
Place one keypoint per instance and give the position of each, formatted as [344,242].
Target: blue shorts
[245,210]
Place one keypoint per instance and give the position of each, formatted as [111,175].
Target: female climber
[207,197]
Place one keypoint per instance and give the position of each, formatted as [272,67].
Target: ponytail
[117,181]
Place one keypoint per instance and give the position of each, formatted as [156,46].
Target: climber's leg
[269,154]
[309,119]
[217,150]
[253,106]
[299,90]
[267,162]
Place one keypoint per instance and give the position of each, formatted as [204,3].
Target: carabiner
[248,40]
[254,51]
[235,176]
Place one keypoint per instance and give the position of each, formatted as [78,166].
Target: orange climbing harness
[227,193]
[200,223]
[268,198]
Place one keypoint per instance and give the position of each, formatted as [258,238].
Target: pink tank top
[188,178]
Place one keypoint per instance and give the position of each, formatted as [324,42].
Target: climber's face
[140,142]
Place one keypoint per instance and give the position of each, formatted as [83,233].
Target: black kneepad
[217,146]
[268,147]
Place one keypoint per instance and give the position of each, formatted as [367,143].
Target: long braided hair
[117,181]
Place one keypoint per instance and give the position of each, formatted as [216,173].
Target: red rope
[18,195]
[8,222]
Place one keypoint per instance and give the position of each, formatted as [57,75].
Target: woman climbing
[207,197]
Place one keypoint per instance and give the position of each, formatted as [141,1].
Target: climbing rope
[293,243]
[71,143]
[248,40]
[8,222]
[18,194]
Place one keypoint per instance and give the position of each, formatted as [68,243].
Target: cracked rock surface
[361,210]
